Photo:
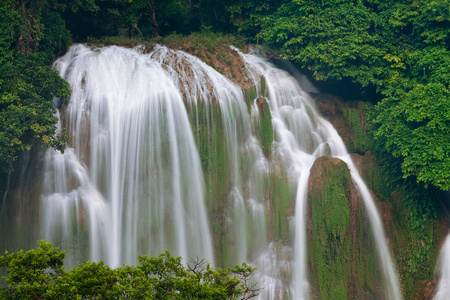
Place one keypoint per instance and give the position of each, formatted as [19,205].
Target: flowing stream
[443,290]
[165,154]
[303,136]
[443,265]
[141,157]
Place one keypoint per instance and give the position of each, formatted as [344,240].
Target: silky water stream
[166,154]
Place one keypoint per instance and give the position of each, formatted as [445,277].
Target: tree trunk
[135,28]
[190,5]
[30,32]
[152,18]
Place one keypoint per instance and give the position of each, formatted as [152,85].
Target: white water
[443,290]
[141,157]
[301,137]
[443,269]
[131,181]
[202,84]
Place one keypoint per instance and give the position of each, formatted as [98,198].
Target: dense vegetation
[396,49]
[29,41]
[399,48]
[40,274]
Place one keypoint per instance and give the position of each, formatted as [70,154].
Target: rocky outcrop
[414,225]
[265,125]
[340,247]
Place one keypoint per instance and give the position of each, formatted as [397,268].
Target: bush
[40,274]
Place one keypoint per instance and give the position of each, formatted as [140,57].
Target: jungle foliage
[30,37]
[399,47]
[40,274]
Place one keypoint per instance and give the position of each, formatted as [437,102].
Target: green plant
[40,274]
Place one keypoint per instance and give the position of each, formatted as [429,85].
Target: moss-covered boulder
[340,245]
[414,218]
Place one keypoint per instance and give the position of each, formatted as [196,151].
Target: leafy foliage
[399,47]
[27,84]
[40,274]
[145,18]
[416,127]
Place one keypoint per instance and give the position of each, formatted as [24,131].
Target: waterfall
[166,154]
[303,136]
[443,289]
[141,157]
[443,267]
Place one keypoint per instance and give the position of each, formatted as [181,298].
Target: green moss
[365,257]
[342,258]
[355,118]
[209,135]
[266,132]
[250,95]
[286,198]
[412,219]
[283,198]
[330,214]
[227,259]
[263,87]
[416,247]
[375,177]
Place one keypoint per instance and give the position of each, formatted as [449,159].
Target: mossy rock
[342,257]
[265,126]
[249,95]
[349,120]
[209,135]
[412,224]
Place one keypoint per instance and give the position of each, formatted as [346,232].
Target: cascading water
[141,156]
[132,181]
[443,289]
[202,85]
[303,136]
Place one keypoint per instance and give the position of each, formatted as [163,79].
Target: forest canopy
[400,49]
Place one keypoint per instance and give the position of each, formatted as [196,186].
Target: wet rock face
[397,211]
[348,119]
[23,184]
[266,131]
[340,247]
[329,107]
[326,105]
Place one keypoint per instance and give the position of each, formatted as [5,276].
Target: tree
[40,274]
[152,18]
[399,48]
[28,86]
